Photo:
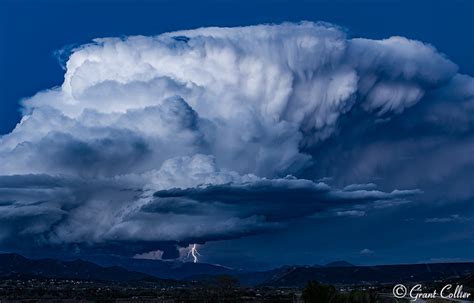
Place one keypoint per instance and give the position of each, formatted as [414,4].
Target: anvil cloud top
[220,133]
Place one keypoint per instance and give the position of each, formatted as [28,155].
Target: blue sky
[399,152]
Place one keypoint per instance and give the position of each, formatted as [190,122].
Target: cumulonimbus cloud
[212,120]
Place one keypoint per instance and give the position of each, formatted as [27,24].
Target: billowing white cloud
[197,109]
[235,93]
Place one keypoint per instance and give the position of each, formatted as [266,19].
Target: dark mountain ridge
[165,269]
[379,274]
[16,266]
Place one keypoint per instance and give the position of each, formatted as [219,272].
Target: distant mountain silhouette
[339,264]
[166,269]
[16,266]
[299,276]
[157,271]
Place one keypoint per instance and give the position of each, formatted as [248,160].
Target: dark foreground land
[50,280]
[53,290]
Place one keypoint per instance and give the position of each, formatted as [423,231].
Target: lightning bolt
[194,253]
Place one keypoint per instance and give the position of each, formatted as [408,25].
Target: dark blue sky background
[30,31]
